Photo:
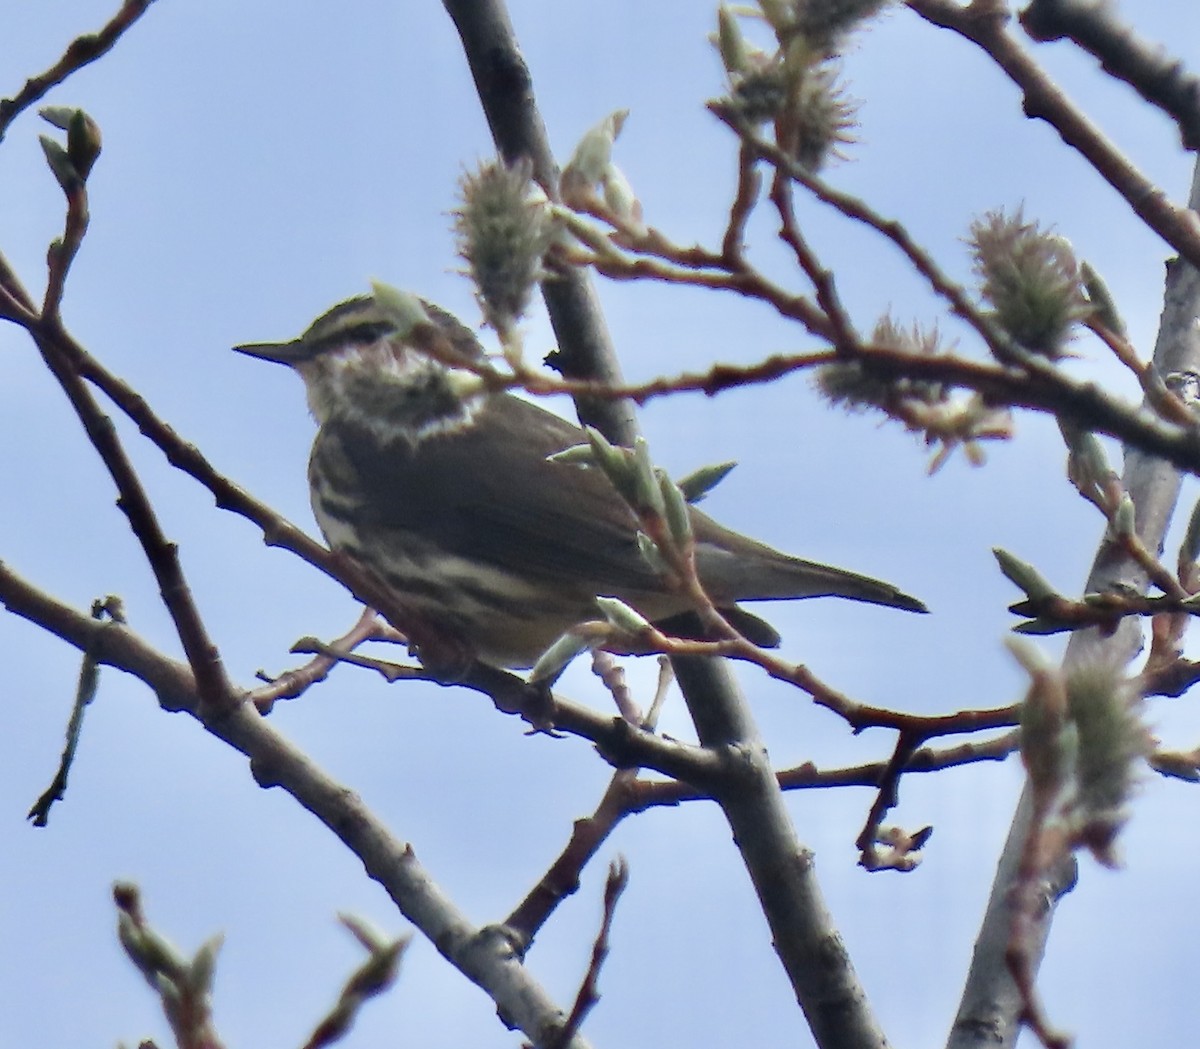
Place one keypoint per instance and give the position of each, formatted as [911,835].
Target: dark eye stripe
[365,333]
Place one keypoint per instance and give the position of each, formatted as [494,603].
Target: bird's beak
[290,353]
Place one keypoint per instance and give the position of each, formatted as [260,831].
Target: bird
[447,491]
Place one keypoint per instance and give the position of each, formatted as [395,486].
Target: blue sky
[262,162]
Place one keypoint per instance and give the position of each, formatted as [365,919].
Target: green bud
[402,308]
[1101,300]
[1049,743]
[577,455]
[759,95]
[60,164]
[617,464]
[696,485]
[1043,627]
[83,142]
[59,116]
[624,617]
[1087,465]
[158,954]
[1112,740]
[854,387]
[824,24]
[1123,519]
[1029,656]
[170,993]
[730,42]
[503,234]
[199,975]
[779,13]
[589,163]
[1023,575]
[464,384]
[679,519]
[648,495]
[556,658]
[651,554]
[622,202]
[824,118]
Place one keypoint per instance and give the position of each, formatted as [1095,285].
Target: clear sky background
[263,161]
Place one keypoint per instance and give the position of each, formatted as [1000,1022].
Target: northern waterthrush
[447,493]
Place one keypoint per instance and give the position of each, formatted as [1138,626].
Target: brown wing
[486,492]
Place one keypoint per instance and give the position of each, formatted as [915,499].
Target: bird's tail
[755,572]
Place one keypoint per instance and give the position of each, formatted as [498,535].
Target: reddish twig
[843,336]
[589,994]
[744,199]
[293,683]
[902,853]
[562,877]
[376,975]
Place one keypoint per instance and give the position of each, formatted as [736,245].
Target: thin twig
[744,199]
[562,877]
[844,337]
[293,683]
[886,798]
[79,53]
[589,994]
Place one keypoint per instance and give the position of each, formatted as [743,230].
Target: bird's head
[390,371]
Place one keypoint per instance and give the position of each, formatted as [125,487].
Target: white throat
[393,392]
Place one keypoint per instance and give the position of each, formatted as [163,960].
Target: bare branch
[1094,26]
[79,53]
[802,928]
[484,955]
[589,994]
[293,683]
[980,24]
[992,1005]
[161,554]
[562,877]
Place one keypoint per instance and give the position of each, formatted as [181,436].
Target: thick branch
[161,554]
[483,955]
[991,1007]
[980,24]
[1094,26]
[781,869]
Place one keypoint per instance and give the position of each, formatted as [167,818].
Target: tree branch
[79,53]
[482,954]
[1093,25]
[781,869]
[991,1007]
[980,24]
